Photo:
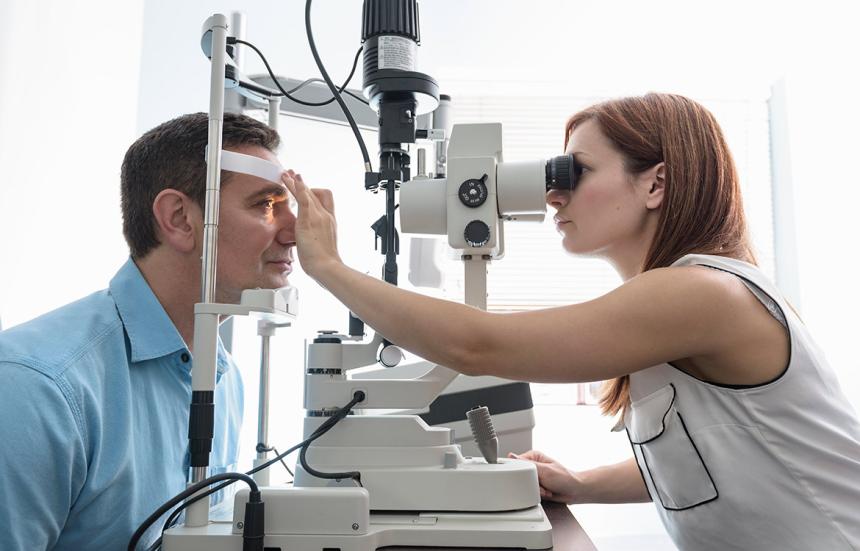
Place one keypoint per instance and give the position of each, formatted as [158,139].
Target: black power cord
[334,90]
[253,532]
[358,396]
[261,448]
[288,93]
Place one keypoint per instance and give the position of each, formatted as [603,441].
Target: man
[95,395]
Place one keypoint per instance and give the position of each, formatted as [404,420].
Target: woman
[740,433]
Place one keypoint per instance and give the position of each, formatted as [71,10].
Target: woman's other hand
[556,482]
[316,227]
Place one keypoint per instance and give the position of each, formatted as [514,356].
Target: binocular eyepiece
[562,173]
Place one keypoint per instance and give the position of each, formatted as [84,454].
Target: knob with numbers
[473,192]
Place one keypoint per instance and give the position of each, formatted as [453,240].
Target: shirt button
[185,357]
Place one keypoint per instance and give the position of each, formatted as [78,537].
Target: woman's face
[607,214]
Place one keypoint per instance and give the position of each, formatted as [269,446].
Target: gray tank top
[772,466]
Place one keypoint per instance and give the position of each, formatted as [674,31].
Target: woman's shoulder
[692,281]
[745,343]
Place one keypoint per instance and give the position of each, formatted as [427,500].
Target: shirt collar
[150,331]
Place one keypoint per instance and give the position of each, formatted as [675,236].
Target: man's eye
[267,203]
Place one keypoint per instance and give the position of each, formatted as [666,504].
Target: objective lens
[562,173]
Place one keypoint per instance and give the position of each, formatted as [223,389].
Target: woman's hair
[701,211]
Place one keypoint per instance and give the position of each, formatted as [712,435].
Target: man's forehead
[252,166]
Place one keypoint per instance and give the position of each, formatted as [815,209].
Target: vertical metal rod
[205,345]
[265,331]
[389,270]
[475,267]
[274,112]
[237,30]
[422,163]
[263,411]
[442,121]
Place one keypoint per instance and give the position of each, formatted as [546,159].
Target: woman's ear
[175,219]
[655,180]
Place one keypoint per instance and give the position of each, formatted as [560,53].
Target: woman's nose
[557,198]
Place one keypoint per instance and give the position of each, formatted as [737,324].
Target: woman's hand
[556,482]
[316,227]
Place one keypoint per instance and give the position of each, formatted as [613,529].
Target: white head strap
[251,165]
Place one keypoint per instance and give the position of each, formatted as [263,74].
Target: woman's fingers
[326,199]
[289,181]
[306,196]
[533,455]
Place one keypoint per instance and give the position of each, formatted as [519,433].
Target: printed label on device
[396,52]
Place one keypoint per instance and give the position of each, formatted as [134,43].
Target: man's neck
[176,285]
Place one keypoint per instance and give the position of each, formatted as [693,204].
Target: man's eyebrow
[273,189]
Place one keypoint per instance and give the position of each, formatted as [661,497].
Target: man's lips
[285,265]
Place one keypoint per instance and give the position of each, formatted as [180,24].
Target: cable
[287,93]
[355,475]
[322,429]
[343,87]
[262,448]
[335,93]
[186,493]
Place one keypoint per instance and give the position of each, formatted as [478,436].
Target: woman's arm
[661,315]
[618,483]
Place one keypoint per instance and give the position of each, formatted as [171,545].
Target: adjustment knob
[391,356]
[477,233]
[473,192]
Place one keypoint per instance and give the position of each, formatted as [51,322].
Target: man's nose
[557,198]
[286,221]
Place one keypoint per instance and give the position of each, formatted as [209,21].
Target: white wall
[823,119]
[68,96]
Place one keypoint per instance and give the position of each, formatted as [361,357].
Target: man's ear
[655,179]
[176,220]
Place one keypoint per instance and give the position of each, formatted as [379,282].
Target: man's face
[256,232]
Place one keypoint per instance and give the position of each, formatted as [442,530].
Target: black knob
[477,233]
[473,192]
[398,17]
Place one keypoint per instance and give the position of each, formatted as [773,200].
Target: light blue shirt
[94,401]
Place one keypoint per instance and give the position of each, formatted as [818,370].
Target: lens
[562,173]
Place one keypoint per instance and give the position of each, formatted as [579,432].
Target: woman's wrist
[580,491]
[327,271]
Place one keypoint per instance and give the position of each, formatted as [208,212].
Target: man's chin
[276,282]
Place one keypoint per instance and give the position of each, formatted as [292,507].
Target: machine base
[528,529]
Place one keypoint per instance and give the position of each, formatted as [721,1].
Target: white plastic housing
[461,169]
[291,510]
[403,466]
[522,188]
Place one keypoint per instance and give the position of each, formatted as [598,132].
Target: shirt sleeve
[42,459]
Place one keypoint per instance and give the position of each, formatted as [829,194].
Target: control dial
[473,192]
[477,233]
